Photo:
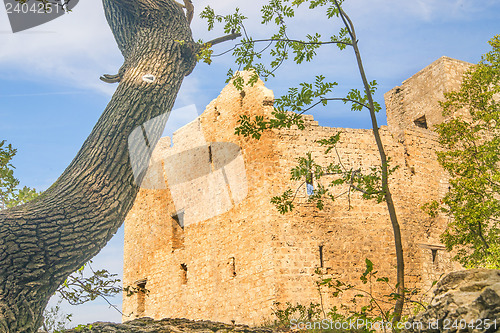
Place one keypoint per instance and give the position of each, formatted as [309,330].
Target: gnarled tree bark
[44,241]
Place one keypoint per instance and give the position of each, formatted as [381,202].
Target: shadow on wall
[205,179]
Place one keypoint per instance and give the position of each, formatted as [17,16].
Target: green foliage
[330,142]
[431,208]
[297,100]
[22,196]
[359,100]
[364,303]
[288,109]
[7,181]
[285,314]
[10,194]
[55,320]
[83,328]
[309,172]
[233,23]
[79,289]
[249,127]
[132,290]
[306,168]
[471,137]
[280,46]
[359,302]
[205,53]
[284,202]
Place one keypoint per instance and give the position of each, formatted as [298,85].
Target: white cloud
[76,48]
[79,47]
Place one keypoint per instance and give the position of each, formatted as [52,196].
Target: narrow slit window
[184,274]
[434,255]
[421,122]
[178,230]
[232,266]
[141,297]
[435,248]
[321,263]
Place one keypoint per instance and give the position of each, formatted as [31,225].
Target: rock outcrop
[148,325]
[464,301]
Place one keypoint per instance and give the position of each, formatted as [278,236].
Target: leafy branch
[308,171]
[10,194]
[79,289]
[471,137]
[289,108]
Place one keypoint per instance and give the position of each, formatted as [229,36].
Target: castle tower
[416,102]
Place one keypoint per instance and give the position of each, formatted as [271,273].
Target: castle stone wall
[206,242]
[405,104]
[227,260]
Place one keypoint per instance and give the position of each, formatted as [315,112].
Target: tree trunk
[398,242]
[44,241]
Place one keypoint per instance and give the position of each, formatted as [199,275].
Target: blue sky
[51,96]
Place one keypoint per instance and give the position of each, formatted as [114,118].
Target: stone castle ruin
[205,241]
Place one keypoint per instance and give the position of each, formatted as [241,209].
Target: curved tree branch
[293,41]
[222,39]
[44,241]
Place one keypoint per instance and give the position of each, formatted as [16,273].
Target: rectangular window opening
[178,230]
[434,255]
[321,263]
[232,263]
[184,272]
[434,252]
[210,159]
[141,297]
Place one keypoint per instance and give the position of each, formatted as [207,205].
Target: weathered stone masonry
[208,244]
